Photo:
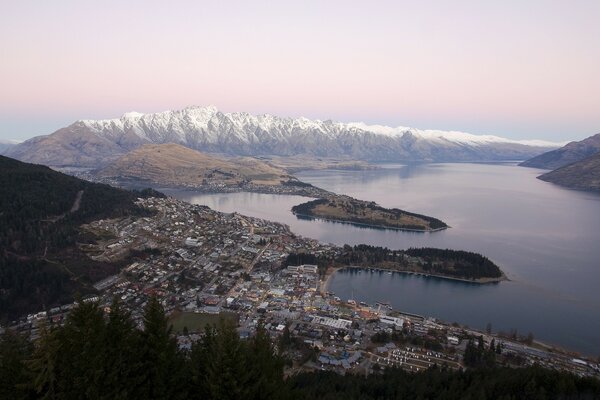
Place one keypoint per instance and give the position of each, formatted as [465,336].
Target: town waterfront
[545,239]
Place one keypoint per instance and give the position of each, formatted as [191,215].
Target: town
[206,266]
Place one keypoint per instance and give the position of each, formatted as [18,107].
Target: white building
[397,322]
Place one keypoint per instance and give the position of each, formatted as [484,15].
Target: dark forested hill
[40,212]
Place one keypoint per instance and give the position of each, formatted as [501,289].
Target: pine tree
[266,375]
[224,367]
[121,360]
[161,375]
[480,345]
[200,358]
[228,373]
[81,350]
[490,355]
[470,357]
[43,364]
[14,375]
[285,340]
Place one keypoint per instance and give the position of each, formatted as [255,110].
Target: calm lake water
[546,239]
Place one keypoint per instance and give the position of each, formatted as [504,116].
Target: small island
[338,208]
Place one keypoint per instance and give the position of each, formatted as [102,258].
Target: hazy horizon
[520,71]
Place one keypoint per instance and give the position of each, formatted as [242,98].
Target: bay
[546,238]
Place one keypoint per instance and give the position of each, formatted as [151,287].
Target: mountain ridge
[581,175]
[570,153]
[7,144]
[94,143]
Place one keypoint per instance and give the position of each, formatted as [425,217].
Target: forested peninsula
[444,263]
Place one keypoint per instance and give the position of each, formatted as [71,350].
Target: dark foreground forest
[104,356]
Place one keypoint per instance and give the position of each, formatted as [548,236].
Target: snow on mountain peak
[206,110]
[197,118]
[451,136]
[132,115]
[241,133]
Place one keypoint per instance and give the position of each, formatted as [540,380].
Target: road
[77,202]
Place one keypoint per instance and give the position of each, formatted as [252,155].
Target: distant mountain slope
[570,153]
[7,144]
[176,165]
[91,143]
[583,175]
[40,212]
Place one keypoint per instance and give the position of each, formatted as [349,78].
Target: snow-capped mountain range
[93,143]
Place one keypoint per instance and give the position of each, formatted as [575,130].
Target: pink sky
[519,69]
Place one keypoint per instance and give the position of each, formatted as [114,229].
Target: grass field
[197,321]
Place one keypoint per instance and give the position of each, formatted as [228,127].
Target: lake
[545,238]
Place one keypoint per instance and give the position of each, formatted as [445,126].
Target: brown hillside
[175,165]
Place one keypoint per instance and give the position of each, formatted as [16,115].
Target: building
[396,322]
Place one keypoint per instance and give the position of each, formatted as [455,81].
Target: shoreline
[479,281]
[366,225]
[302,189]
[549,347]
[266,189]
[324,284]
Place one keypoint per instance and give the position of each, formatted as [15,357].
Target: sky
[518,69]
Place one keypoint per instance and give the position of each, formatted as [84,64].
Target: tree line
[104,355]
[533,383]
[455,263]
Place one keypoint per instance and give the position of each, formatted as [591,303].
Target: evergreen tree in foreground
[162,366]
[225,367]
[14,374]
[98,355]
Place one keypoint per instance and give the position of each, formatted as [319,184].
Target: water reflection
[543,236]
